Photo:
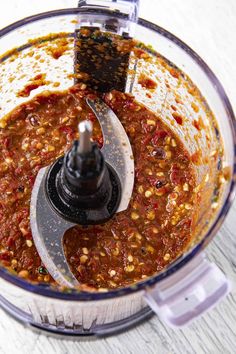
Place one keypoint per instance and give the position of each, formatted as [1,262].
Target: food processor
[191,284]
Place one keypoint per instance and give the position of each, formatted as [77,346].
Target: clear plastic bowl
[76,312]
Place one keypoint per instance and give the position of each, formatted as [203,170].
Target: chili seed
[138,236]
[168,154]
[214,205]
[46,278]
[35,162]
[177,189]
[151,215]
[25,146]
[162,164]
[135,205]
[173,222]
[83,259]
[39,146]
[134,245]
[112,273]
[112,284]
[23,274]
[149,171]
[168,140]
[173,143]
[24,231]
[8,160]
[83,87]
[3,167]
[99,278]
[222,179]
[131,130]
[102,290]
[195,107]
[130,258]
[115,252]
[188,206]
[150,249]
[50,148]
[115,237]
[166,257]
[160,174]
[109,96]
[14,263]
[85,250]
[134,216]
[129,268]
[186,187]
[140,189]
[3,124]
[29,243]
[148,193]
[151,122]
[40,131]
[65,119]
[213,153]
[173,196]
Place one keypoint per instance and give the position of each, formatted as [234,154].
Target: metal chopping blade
[116,150]
[48,228]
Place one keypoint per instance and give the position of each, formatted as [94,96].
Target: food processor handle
[129,8]
[188,293]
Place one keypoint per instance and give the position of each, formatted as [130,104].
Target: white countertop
[209,27]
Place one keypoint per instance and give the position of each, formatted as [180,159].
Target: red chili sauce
[134,244]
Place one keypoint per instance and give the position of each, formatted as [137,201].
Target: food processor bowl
[190,285]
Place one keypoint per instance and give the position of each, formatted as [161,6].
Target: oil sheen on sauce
[134,244]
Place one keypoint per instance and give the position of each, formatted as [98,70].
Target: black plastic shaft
[81,187]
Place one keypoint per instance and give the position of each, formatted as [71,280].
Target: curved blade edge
[48,229]
[116,149]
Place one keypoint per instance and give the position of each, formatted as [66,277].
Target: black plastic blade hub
[83,188]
